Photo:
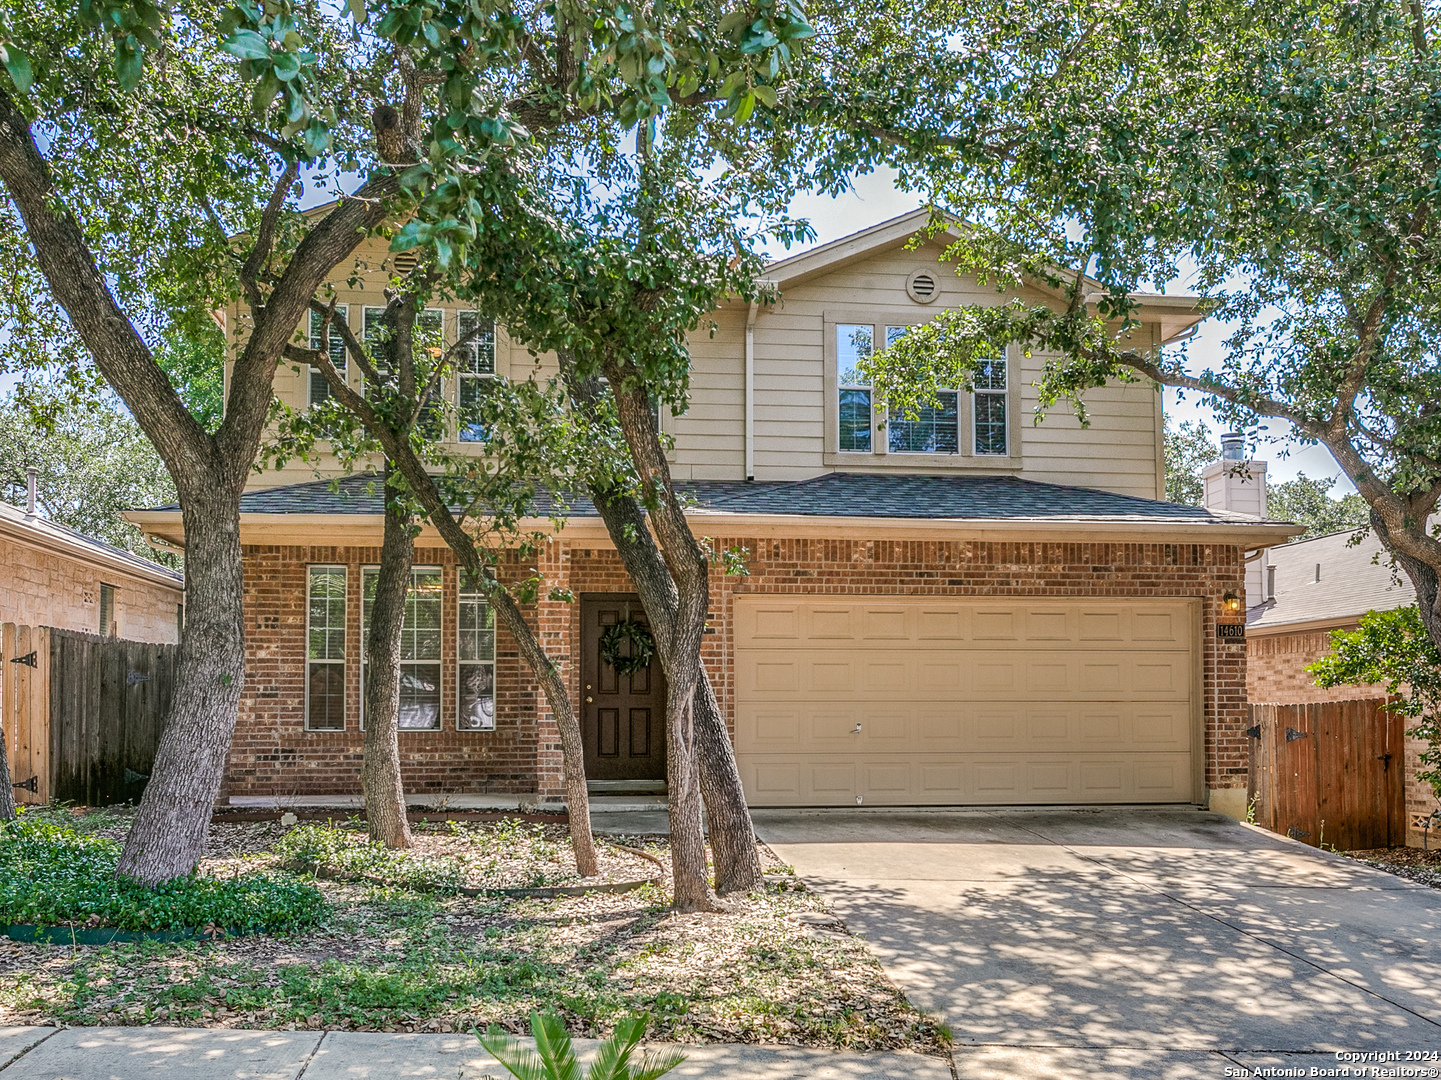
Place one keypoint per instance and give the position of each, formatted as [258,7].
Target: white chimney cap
[1233,446]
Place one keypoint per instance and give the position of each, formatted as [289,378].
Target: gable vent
[923,286]
[405,262]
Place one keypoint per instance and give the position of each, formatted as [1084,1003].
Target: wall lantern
[1231,604]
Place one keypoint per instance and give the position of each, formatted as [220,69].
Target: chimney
[1238,484]
[30,474]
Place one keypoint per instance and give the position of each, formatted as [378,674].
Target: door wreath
[642,646]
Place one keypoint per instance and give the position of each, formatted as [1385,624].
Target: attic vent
[405,262]
[923,287]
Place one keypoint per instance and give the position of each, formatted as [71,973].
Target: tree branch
[265,235]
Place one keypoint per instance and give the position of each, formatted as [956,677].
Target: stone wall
[273,754]
[42,587]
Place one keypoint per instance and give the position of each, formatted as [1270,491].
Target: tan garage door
[912,701]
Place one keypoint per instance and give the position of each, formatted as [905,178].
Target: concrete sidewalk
[156,1053]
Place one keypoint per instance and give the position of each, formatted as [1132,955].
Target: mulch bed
[776,968]
[1414,864]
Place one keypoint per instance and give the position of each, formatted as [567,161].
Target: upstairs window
[319,388]
[474,369]
[990,408]
[936,428]
[854,343]
[427,335]
[419,646]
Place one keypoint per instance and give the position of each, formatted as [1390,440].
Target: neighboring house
[964,609]
[51,575]
[1313,588]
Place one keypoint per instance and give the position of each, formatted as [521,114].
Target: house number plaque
[1231,631]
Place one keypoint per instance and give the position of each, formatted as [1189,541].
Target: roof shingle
[830,495]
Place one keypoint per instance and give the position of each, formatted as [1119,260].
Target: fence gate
[25,708]
[82,714]
[1329,772]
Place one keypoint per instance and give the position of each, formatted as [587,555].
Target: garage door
[913,701]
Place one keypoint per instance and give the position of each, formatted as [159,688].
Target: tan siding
[1118,452]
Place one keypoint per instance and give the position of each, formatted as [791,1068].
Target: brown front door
[622,716]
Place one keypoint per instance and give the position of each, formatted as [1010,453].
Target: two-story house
[965,608]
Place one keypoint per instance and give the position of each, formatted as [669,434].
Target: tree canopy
[1281,154]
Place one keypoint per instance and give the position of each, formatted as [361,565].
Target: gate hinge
[1254,732]
[133,677]
[32,785]
[28,659]
[1292,734]
[1385,760]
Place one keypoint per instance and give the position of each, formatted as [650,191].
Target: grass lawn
[391,958]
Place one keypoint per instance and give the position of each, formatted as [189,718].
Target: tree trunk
[687,836]
[689,575]
[1423,576]
[380,769]
[423,488]
[732,834]
[167,837]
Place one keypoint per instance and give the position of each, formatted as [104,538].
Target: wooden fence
[81,714]
[1330,772]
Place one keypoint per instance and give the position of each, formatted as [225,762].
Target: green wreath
[642,646]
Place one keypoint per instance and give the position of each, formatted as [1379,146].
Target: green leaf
[552,1043]
[129,62]
[247,44]
[767,94]
[286,66]
[17,64]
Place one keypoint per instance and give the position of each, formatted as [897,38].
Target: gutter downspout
[750,391]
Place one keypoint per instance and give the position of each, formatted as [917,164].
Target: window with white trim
[854,343]
[475,672]
[319,389]
[474,369]
[419,646]
[325,649]
[427,334]
[936,428]
[989,402]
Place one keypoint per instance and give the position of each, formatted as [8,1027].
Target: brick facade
[43,587]
[1276,672]
[273,755]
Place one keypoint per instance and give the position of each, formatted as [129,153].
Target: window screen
[319,388]
[990,403]
[476,671]
[325,650]
[474,371]
[419,646]
[854,343]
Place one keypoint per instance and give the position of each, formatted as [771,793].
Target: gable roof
[1353,581]
[1177,313]
[52,536]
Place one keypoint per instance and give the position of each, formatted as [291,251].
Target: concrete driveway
[1130,942]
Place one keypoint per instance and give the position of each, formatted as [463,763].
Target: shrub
[50,876]
[1394,649]
[330,851]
